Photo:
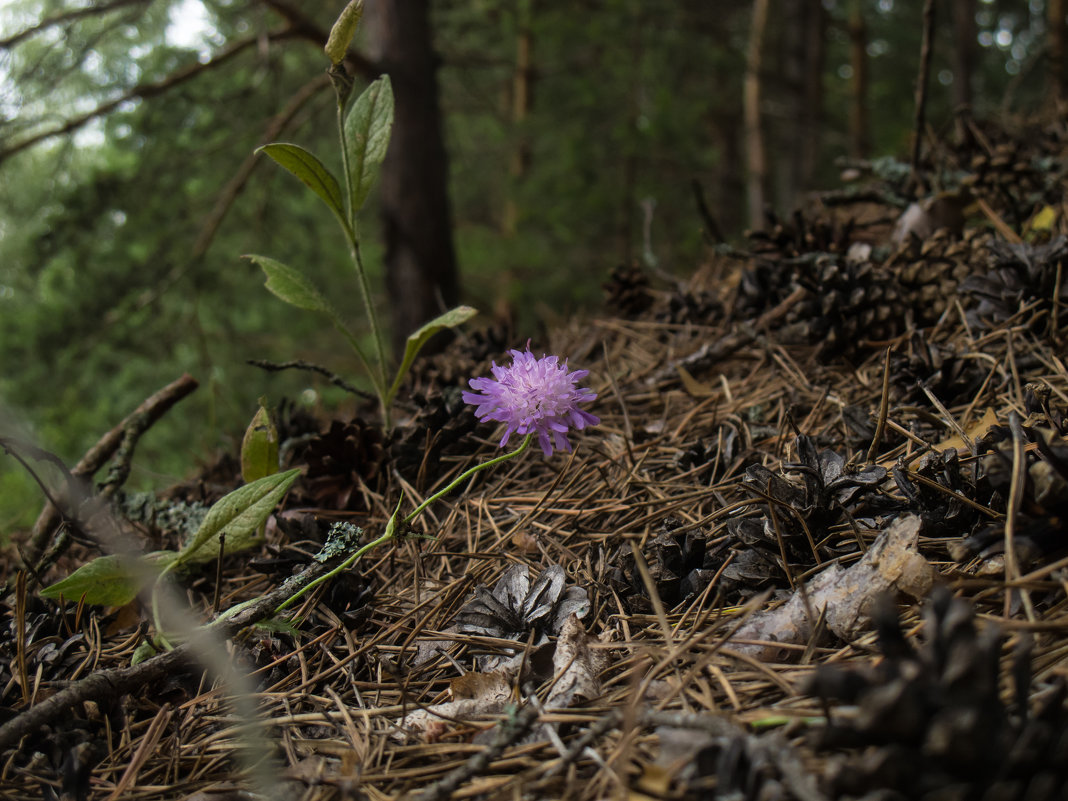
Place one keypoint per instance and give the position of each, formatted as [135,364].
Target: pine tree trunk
[964,48]
[859,137]
[807,30]
[522,80]
[1055,21]
[420,263]
[754,141]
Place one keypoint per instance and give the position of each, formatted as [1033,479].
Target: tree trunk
[1055,22]
[751,101]
[806,33]
[964,49]
[815,61]
[522,80]
[859,136]
[420,263]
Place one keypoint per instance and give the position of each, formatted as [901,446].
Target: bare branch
[116,682]
[224,201]
[143,91]
[278,123]
[67,16]
[151,410]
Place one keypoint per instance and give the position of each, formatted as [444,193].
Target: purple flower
[534,396]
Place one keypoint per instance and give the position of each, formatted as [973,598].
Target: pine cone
[516,609]
[940,368]
[931,721]
[440,428]
[627,291]
[342,459]
[1019,274]
[847,303]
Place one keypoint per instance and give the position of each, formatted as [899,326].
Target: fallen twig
[116,682]
[124,436]
[507,734]
[131,426]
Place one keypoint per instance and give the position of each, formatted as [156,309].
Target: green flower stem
[391,529]
[342,87]
[468,473]
[390,534]
[376,329]
[375,379]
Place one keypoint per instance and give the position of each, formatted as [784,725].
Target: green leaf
[292,286]
[259,448]
[108,580]
[450,319]
[278,625]
[311,172]
[146,650]
[366,130]
[238,516]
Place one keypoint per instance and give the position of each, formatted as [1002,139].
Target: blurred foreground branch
[125,436]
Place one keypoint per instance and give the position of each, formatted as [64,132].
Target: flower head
[534,396]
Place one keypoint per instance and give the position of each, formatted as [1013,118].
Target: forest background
[578,136]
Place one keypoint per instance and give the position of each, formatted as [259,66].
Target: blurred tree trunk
[859,136]
[754,142]
[965,35]
[806,30]
[1055,89]
[522,80]
[420,263]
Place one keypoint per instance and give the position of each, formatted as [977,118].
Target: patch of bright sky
[191,27]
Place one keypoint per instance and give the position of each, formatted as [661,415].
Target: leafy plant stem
[160,639]
[349,227]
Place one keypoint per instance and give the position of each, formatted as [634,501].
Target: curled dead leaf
[845,596]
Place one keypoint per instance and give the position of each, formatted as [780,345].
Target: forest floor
[815,548]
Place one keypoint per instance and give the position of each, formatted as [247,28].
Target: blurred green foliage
[104,299]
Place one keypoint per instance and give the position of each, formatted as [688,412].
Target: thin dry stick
[20,633]
[508,733]
[782,544]
[650,587]
[1019,468]
[1054,320]
[884,408]
[949,419]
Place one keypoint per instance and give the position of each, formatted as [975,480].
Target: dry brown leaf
[472,686]
[977,430]
[482,694]
[980,428]
[845,595]
[575,665]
